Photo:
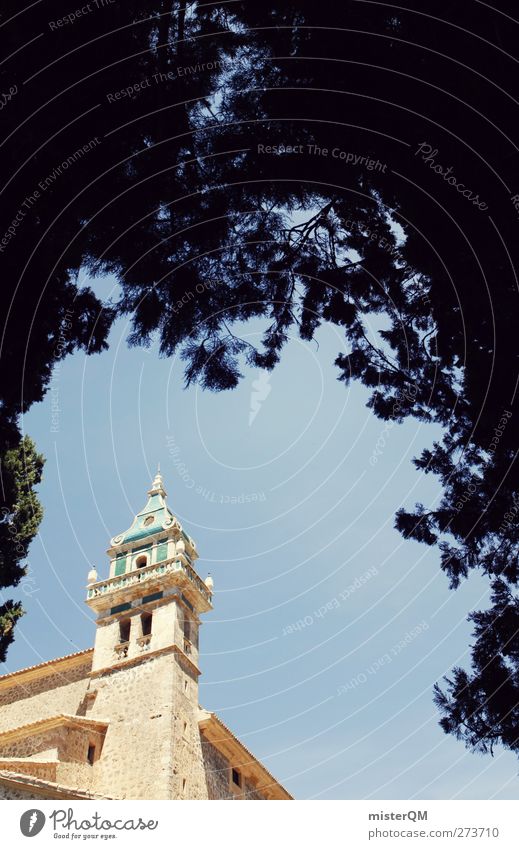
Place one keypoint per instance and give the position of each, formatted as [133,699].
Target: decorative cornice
[222,738]
[151,538]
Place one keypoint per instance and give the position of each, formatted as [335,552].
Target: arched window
[141,561]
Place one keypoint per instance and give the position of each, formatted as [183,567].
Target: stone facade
[7,791]
[57,688]
[219,781]
[151,708]
[122,721]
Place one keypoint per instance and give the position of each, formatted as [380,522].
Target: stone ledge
[145,656]
[45,789]
[61,719]
[44,770]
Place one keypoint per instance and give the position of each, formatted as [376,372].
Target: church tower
[145,663]
[122,720]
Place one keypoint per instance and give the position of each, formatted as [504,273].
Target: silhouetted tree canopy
[151,141]
[21,516]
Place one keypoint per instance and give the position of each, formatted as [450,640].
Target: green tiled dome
[154,517]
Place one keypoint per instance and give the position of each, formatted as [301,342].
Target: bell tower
[145,665]
[153,596]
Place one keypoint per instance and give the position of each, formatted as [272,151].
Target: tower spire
[157,487]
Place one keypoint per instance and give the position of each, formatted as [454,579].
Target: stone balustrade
[148,573]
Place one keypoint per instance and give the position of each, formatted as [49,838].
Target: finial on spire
[157,487]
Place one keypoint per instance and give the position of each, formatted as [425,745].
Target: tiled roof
[38,725]
[156,514]
[45,665]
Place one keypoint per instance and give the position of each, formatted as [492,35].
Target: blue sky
[293,517]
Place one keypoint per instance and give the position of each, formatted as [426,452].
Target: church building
[122,720]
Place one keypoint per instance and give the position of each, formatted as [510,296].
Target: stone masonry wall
[217,770]
[58,692]
[12,793]
[189,780]
[152,748]
[62,743]
[39,770]
[44,746]
[136,760]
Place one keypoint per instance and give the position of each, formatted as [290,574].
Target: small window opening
[236,777]
[124,630]
[187,628]
[141,561]
[146,624]
[185,685]
[183,784]
[91,754]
